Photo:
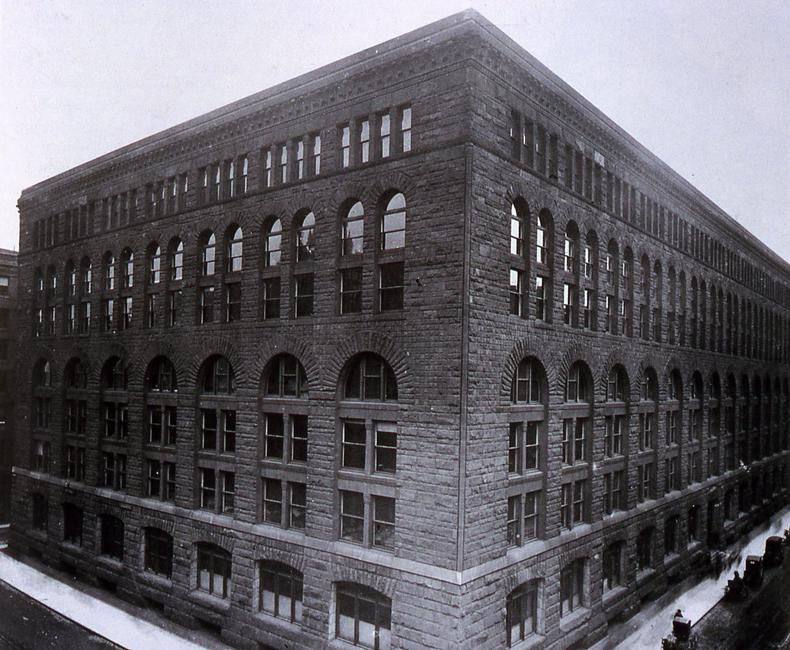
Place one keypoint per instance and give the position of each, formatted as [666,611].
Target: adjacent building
[8,289]
[417,350]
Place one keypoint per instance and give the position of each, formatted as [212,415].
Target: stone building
[8,288]
[417,350]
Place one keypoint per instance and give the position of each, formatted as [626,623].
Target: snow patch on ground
[102,618]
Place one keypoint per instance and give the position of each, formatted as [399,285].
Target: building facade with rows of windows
[8,319]
[418,350]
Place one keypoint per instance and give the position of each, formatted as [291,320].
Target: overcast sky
[704,84]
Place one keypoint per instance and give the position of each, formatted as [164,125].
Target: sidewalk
[124,624]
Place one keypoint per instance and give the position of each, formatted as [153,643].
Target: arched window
[218,377]
[234,251]
[519,278]
[522,612]
[41,416]
[217,436]
[286,378]
[363,616]
[155,264]
[161,376]
[578,386]
[127,266]
[648,426]
[368,445]
[303,284]
[284,433]
[617,385]
[393,223]
[109,271]
[115,416]
[75,418]
[208,252]
[626,289]
[527,450]
[305,241]
[176,260]
[517,231]
[162,425]
[571,247]
[272,243]
[369,377]
[76,375]
[528,383]
[87,276]
[114,375]
[71,279]
[542,240]
[674,411]
[577,444]
[616,426]
[352,229]
[280,590]
[213,570]
[616,437]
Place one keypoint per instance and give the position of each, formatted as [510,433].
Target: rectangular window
[272,501]
[316,154]
[154,478]
[271,298]
[540,298]
[298,144]
[228,491]
[150,310]
[206,304]
[273,435]
[516,291]
[233,302]
[391,285]
[126,313]
[352,516]
[572,587]
[383,521]
[208,488]
[345,145]
[267,168]
[588,302]
[385,449]
[354,441]
[405,128]
[613,492]
[384,135]
[568,291]
[364,141]
[351,290]
[173,307]
[303,295]
[283,175]
[299,438]
[297,505]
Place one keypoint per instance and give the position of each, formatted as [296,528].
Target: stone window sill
[574,619]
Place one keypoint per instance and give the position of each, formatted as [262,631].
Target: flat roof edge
[246,105]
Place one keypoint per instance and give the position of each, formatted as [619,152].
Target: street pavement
[762,622]
[26,624]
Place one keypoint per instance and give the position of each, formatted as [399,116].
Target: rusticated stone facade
[422,333]
[8,317]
